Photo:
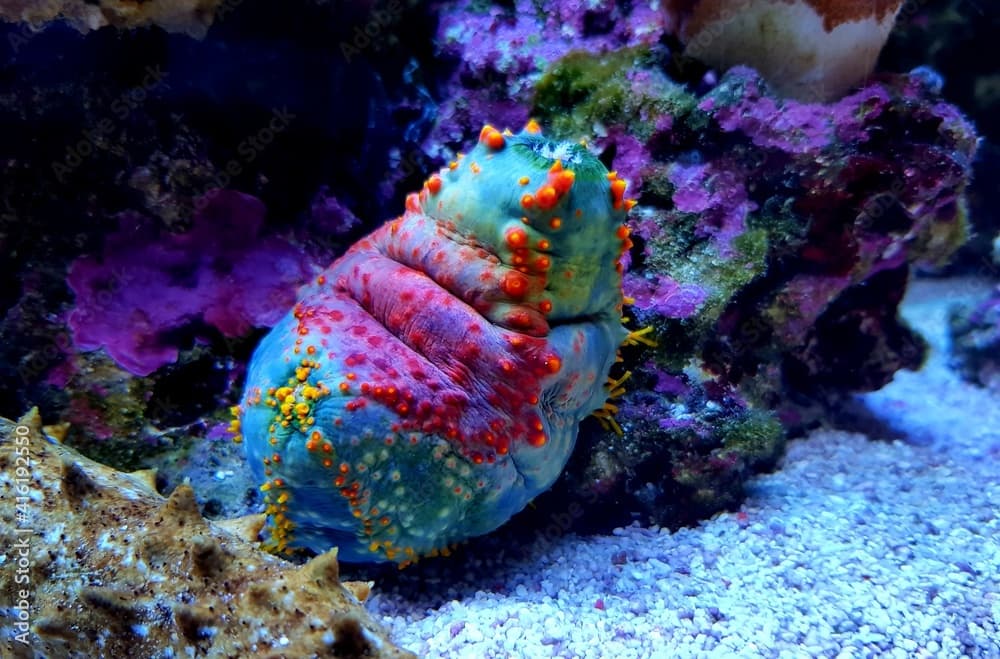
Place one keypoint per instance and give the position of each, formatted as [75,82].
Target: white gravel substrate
[858,547]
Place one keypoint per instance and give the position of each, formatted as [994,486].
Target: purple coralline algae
[774,239]
[975,341]
[664,296]
[717,194]
[502,50]
[774,232]
[329,216]
[146,286]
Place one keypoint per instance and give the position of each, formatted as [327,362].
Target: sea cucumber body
[430,382]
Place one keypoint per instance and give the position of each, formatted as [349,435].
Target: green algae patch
[583,92]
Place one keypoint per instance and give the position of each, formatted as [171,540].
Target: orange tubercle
[495,141]
[617,192]
[492,138]
[563,181]
[413,203]
[517,238]
[434,184]
[514,284]
[538,439]
[547,197]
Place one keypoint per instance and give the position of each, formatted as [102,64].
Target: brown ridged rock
[110,568]
[191,17]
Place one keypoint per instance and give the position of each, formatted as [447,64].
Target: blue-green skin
[426,374]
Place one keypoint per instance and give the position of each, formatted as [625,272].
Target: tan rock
[813,50]
[192,17]
[104,566]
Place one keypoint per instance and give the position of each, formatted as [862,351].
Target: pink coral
[794,126]
[717,194]
[147,285]
[664,296]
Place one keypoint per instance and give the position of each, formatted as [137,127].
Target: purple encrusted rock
[147,284]
[975,341]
